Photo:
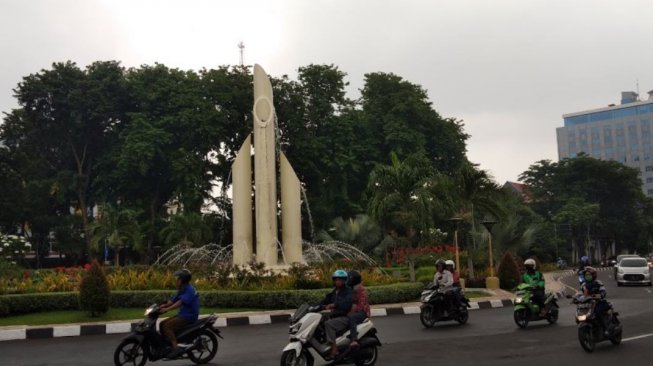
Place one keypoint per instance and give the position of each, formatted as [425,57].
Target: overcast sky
[509,69]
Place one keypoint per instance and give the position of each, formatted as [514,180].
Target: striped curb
[260,319]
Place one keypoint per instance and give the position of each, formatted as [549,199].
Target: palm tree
[360,231]
[116,227]
[477,193]
[186,230]
[405,198]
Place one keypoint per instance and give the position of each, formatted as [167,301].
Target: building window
[649,168]
[634,157]
[650,192]
[649,180]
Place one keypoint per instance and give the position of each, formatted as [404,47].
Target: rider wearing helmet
[361,307]
[339,301]
[443,279]
[188,302]
[584,262]
[595,288]
[451,267]
[534,278]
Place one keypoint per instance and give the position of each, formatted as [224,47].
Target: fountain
[214,254]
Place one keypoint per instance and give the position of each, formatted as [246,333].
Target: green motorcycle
[526,311]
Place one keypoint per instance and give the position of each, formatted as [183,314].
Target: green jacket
[535,279]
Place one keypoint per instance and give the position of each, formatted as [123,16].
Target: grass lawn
[75,316]
[476,294]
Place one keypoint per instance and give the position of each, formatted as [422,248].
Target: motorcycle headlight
[581,318]
[518,300]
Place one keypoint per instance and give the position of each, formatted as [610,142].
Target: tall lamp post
[491,282]
[456,221]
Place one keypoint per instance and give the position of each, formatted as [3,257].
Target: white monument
[265,190]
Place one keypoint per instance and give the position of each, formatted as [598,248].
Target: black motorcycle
[434,309]
[590,328]
[146,343]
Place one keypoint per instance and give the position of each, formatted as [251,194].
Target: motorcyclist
[361,307]
[451,267]
[535,279]
[584,262]
[339,302]
[593,287]
[188,302]
[443,280]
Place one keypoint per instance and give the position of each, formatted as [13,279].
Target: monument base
[492,283]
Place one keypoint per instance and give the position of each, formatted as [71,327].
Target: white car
[633,271]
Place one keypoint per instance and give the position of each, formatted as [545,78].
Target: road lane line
[637,337]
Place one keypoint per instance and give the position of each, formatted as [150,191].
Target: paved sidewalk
[498,299]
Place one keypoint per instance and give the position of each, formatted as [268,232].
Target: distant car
[633,271]
[611,261]
[619,258]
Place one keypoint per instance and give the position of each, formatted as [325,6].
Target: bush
[509,275]
[273,300]
[94,291]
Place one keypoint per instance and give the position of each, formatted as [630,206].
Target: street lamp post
[492,281]
[456,221]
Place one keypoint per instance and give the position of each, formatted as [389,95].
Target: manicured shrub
[94,291]
[509,274]
[274,300]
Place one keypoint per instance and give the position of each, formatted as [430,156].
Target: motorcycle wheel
[463,316]
[427,317]
[370,360]
[552,316]
[616,337]
[289,358]
[521,318]
[207,348]
[586,339]
[129,352]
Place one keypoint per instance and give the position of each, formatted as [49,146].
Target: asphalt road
[490,338]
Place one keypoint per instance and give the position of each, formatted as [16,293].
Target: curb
[76,330]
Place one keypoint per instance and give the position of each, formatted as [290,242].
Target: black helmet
[184,275]
[354,278]
[440,262]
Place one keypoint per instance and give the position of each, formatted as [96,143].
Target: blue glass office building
[617,132]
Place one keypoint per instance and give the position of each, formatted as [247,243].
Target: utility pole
[241,46]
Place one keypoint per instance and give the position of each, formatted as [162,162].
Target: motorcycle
[527,311]
[146,343]
[308,341]
[433,309]
[590,328]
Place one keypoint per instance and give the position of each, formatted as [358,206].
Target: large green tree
[562,189]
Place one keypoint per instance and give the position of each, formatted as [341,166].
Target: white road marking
[649,291]
[637,337]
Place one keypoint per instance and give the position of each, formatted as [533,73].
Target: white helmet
[449,262]
[530,262]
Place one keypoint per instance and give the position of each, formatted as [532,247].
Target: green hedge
[285,299]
